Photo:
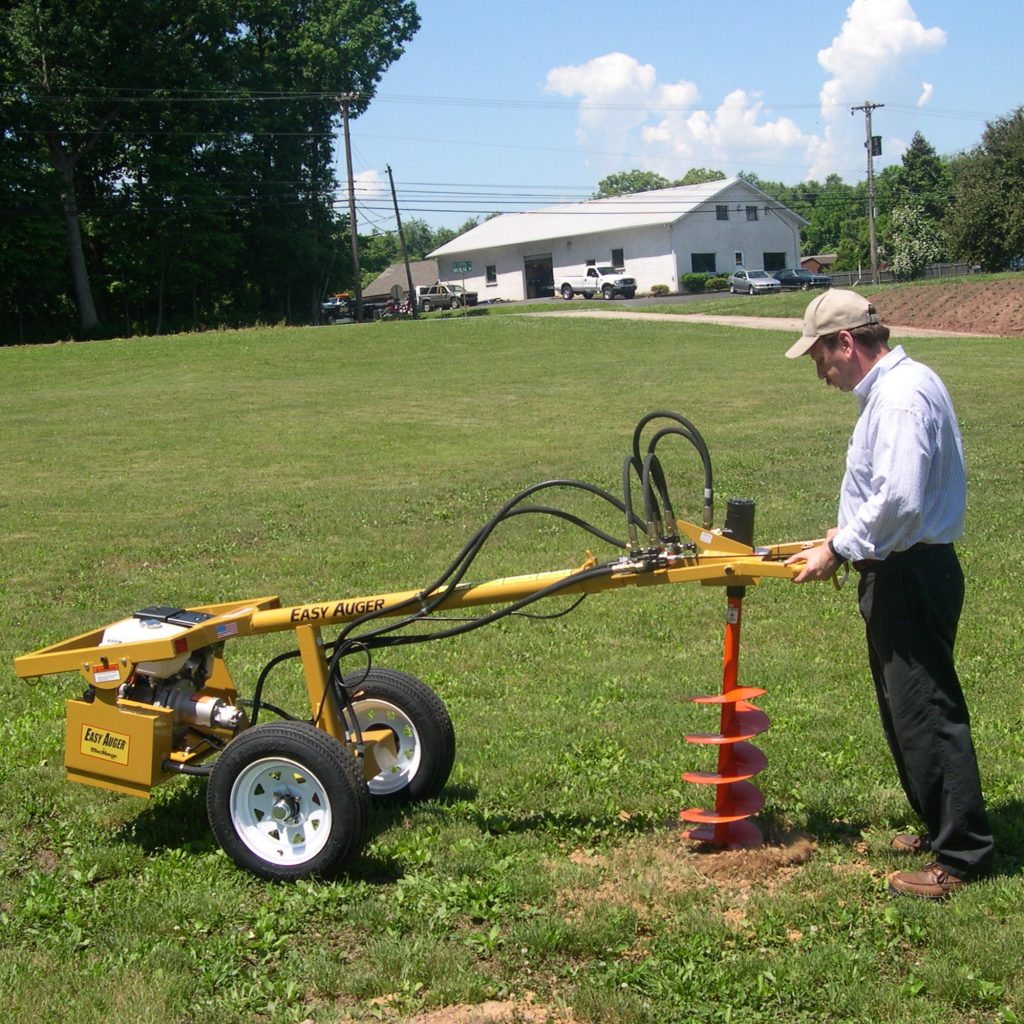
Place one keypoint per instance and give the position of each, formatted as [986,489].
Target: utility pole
[401,240]
[344,100]
[873,145]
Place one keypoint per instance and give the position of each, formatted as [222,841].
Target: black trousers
[911,607]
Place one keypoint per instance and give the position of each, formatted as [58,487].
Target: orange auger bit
[736,799]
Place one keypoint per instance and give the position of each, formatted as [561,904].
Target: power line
[126,94]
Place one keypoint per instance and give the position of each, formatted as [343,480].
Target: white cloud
[872,55]
[616,92]
[627,118]
[625,114]
[370,185]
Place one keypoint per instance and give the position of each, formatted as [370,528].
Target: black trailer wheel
[287,801]
[422,732]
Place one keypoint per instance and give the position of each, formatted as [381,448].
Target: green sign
[462,267]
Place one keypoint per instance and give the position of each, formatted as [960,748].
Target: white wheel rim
[396,772]
[277,785]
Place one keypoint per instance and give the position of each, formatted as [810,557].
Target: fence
[849,278]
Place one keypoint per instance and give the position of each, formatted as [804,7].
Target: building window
[591,263]
[737,258]
[774,261]
[618,259]
[721,212]
[702,262]
[751,213]
[491,274]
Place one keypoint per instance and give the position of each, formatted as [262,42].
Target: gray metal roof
[640,209]
[423,272]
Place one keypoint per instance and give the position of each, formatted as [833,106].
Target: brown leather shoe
[933,883]
[904,843]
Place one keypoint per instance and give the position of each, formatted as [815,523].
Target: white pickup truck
[605,281]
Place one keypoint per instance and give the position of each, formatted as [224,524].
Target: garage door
[540,276]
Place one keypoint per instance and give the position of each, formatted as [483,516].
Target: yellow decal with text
[104,744]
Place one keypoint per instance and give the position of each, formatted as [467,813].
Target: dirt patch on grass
[969,307]
[508,1011]
[767,866]
[647,871]
[505,1011]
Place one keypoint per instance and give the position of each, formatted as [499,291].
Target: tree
[912,198]
[838,214]
[986,223]
[177,123]
[629,182]
[33,246]
[700,175]
[914,240]
[923,179]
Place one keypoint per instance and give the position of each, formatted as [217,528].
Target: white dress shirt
[905,481]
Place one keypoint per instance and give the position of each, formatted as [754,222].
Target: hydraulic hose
[440,589]
[687,430]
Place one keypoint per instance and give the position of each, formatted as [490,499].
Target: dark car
[802,279]
[337,309]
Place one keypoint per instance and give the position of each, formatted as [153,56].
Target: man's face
[836,366]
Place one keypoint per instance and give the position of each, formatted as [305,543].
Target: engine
[174,683]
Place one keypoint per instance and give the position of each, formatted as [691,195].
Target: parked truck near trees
[605,281]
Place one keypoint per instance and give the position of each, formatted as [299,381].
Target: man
[901,507]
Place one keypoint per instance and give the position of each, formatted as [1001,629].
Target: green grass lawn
[332,462]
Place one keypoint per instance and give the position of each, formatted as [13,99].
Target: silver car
[753,282]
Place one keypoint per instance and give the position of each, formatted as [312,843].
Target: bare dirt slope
[983,307]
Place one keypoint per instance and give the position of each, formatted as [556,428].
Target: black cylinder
[739,520]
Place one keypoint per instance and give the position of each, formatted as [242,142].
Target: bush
[693,283]
[659,289]
[716,284]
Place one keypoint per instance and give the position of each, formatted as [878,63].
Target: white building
[654,236]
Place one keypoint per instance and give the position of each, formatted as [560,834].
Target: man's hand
[819,564]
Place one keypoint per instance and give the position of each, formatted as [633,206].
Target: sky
[502,107]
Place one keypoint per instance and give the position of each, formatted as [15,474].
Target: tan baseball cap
[835,310]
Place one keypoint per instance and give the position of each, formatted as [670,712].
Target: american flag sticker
[226,629]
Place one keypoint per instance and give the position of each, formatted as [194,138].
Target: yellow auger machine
[289,799]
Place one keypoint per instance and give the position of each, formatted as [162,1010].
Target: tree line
[167,165]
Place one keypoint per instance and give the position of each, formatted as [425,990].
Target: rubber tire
[567,292]
[608,292]
[732,289]
[805,287]
[751,292]
[329,779]
[455,303]
[629,293]
[428,307]
[431,745]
